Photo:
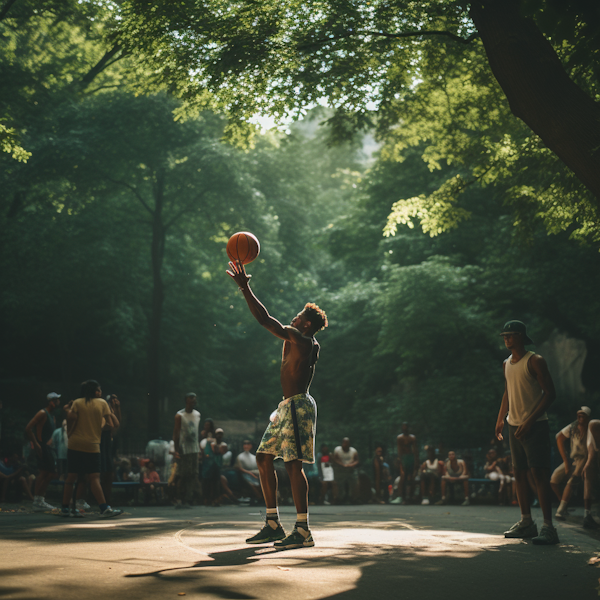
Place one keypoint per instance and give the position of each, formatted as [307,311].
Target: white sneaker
[110,512]
[425,501]
[397,500]
[42,506]
[83,505]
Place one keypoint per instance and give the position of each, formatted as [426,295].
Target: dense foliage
[118,199]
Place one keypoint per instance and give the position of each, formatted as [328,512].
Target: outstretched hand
[238,274]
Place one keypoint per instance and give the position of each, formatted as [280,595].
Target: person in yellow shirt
[85,418]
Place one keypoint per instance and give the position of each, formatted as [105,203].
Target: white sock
[302,524]
[273,517]
[525,518]
[562,506]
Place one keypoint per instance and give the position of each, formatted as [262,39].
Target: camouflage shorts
[292,430]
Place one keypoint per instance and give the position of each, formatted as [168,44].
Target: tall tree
[133,146]
[359,55]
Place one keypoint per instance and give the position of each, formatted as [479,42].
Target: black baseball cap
[517,327]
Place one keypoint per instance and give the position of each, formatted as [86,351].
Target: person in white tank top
[528,392]
[187,449]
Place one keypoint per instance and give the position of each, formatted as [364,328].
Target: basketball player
[291,432]
[528,392]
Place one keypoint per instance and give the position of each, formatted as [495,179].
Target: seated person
[455,471]
[13,473]
[245,464]
[150,478]
[431,472]
[123,470]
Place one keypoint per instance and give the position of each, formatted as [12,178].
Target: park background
[420,223]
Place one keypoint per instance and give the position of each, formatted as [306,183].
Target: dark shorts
[83,463]
[62,466]
[47,461]
[106,465]
[532,451]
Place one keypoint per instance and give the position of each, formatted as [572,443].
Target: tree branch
[110,57]
[404,34]
[182,212]
[419,33]
[6,8]
[131,188]
[103,87]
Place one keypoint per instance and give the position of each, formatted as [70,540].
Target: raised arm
[258,310]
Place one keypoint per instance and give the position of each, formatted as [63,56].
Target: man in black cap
[528,392]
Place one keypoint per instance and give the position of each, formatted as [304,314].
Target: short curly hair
[316,316]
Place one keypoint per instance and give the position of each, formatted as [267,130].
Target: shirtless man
[39,431]
[408,459]
[291,432]
[455,471]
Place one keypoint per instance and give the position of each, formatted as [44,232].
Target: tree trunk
[538,88]
[158,294]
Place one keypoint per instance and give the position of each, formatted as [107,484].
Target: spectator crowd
[200,466]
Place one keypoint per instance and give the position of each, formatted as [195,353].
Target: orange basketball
[243,246]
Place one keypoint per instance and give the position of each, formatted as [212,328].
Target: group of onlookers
[198,466]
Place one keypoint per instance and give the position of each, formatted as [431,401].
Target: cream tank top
[524,392]
[188,437]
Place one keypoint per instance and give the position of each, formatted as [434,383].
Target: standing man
[576,433]
[39,430]
[528,392]
[185,436]
[291,432]
[408,460]
[345,461]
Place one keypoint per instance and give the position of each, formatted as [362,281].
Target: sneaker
[561,516]
[518,530]
[83,505]
[110,512]
[326,503]
[295,540]
[425,501]
[267,534]
[547,537]
[397,500]
[65,512]
[441,502]
[76,514]
[466,502]
[590,523]
[42,506]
